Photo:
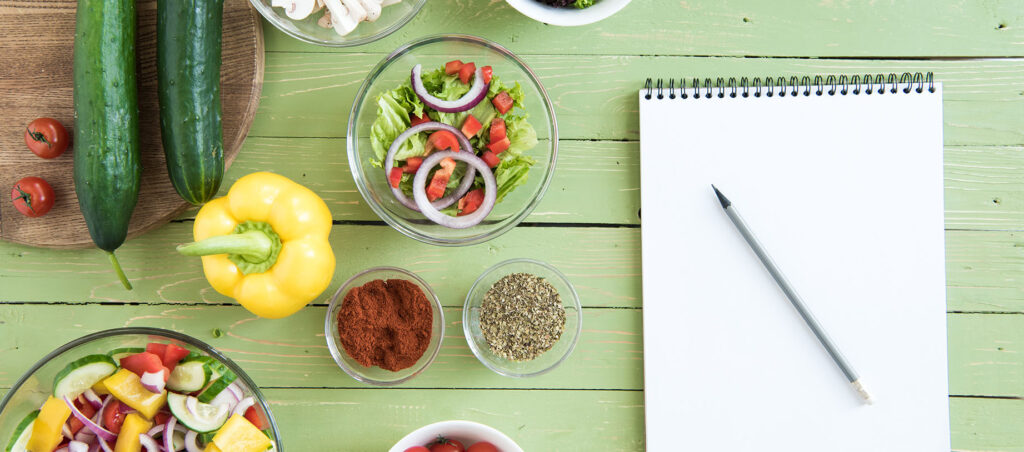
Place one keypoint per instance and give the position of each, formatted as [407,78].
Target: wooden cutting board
[36,39]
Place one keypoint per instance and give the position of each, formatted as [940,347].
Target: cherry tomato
[417,449]
[482,446]
[113,417]
[442,444]
[46,137]
[32,196]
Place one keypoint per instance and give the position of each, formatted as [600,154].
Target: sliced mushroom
[319,5]
[295,9]
[355,10]
[340,18]
[372,8]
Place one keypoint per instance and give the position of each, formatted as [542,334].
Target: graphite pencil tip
[721,198]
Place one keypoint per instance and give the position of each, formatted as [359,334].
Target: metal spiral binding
[827,85]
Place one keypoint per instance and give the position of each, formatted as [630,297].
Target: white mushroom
[295,9]
[319,6]
[372,8]
[340,18]
[355,10]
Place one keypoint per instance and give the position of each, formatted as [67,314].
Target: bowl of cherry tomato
[456,436]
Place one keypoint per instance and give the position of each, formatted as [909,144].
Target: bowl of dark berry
[522,318]
[568,13]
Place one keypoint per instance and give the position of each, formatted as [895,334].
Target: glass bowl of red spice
[384,326]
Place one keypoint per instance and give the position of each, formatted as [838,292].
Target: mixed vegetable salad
[459,112]
[161,398]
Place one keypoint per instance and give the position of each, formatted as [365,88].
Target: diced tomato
[167,374]
[113,417]
[253,416]
[412,164]
[498,147]
[141,363]
[488,73]
[161,417]
[466,72]
[173,355]
[413,119]
[442,139]
[452,67]
[497,131]
[469,203]
[73,423]
[471,126]
[395,177]
[157,349]
[503,102]
[440,180]
[490,158]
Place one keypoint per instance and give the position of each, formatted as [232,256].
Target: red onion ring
[153,382]
[467,179]
[101,433]
[92,398]
[190,441]
[149,443]
[477,92]
[419,190]
[243,406]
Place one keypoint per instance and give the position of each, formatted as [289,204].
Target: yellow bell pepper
[265,244]
[212,448]
[239,435]
[99,389]
[46,434]
[127,387]
[128,438]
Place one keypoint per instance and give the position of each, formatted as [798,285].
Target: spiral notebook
[841,179]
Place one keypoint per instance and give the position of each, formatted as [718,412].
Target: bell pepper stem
[254,246]
[118,270]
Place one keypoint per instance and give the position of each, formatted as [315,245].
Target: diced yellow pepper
[99,389]
[239,435]
[212,448]
[46,435]
[128,438]
[127,387]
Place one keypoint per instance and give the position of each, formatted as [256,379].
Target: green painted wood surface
[586,225]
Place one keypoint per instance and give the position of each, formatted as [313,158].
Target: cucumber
[217,386]
[191,375]
[19,441]
[206,438]
[188,37]
[119,353]
[202,418]
[82,374]
[107,168]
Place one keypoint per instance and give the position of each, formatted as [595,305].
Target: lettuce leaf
[393,110]
[511,173]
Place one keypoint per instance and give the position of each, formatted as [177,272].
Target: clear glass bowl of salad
[364,21]
[34,413]
[464,92]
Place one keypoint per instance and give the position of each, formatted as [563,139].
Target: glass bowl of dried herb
[384,326]
[522,318]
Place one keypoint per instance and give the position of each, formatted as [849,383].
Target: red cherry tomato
[113,417]
[254,417]
[442,444]
[482,446]
[141,363]
[417,449]
[32,196]
[46,138]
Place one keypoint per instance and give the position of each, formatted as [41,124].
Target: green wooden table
[587,225]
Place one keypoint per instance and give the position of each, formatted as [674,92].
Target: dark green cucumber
[107,162]
[188,35]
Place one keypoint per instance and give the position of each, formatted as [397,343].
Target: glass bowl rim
[469,300]
[265,11]
[336,350]
[356,167]
[149,331]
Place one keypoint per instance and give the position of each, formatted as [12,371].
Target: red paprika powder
[386,324]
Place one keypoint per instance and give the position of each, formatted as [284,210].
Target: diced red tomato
[442,139]
[254,417]
[490,158]
[471,126]
[466,72]
[412,164]
[452,67]
[161,417]
[173,355]
[413,119]
[157,349]
[497,131]
[503,102]
[113,417]
[141,363]
[488,72]
[73,423]
[498,147]
[395,177]
[440,180]
[469,203]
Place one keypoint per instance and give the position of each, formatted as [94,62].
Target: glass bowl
[391,18]
[32,389]
[549,359]
[375,375]
[433,52]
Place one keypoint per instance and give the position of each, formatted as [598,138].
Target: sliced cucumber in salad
[218,386]
[196,415]
[19,442]
[192,374]
[82,374]
[119,353]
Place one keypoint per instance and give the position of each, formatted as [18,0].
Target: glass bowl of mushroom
[338,23]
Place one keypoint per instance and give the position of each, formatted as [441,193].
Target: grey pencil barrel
[794,298]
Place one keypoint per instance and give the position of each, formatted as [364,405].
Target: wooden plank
[743,27]
[310,95]
[986,424]
[984,271]
[986,352]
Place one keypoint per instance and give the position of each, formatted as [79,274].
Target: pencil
[855,381]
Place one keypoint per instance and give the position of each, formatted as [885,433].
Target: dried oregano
[522,316]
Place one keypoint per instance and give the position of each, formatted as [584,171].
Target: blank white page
[845,193]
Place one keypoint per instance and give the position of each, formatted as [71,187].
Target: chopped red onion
[92,398]
[101,433]
[467,179]
[190,442]
[78,446]
[244,405]
[420,195]
[149,443]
